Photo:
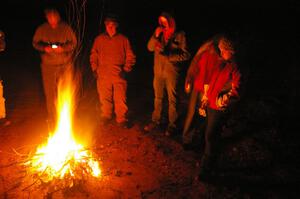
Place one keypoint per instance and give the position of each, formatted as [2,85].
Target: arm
[71,41]
[94,56]
[181,53]
[231,92]
[130,57]
[38,43]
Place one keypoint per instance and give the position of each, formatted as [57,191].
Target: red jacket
[225,79]
[208,61]
[221,76]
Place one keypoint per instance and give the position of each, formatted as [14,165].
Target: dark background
[266,34]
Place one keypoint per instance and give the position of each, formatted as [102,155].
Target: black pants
[214,121]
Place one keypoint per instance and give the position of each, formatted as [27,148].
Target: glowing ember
[62,156]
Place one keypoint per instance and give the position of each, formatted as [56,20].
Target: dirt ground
[257,160]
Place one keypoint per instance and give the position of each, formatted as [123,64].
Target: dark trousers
[214,121]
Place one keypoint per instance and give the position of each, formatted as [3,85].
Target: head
[111,24]
[53,17]
[226,48]
[167,22]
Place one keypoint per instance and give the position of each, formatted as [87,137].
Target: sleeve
[233,91]
[151,43]
[71,41]
[130,56]
[194,66]
[94,56]
[236,83]
[38,43]
[181,54]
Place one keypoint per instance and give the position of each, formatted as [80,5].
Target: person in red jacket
[219,80]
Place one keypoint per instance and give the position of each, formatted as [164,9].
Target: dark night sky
[265,30]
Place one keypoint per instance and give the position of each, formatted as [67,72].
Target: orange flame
[62,155]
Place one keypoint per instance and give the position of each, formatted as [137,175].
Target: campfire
[62,157]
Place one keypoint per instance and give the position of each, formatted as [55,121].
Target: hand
[187,86]
[127,69]
[158,47]
[158,31]
[204,100]
[48,49]
[58,49]
[223,101]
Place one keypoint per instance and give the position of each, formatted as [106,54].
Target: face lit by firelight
[163,22]
[53,18]
[111,27]
[225,53]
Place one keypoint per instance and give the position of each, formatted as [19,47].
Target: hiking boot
[151,126]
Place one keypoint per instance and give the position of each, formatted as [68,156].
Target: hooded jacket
[174,51]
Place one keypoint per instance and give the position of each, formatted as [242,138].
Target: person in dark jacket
[56,42]
[170,50]
[111,58]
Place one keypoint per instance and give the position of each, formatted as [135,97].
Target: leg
[212,136]
[158,84]
[105,97]
[187,134]
[171,84]
[121,109]
[49,75]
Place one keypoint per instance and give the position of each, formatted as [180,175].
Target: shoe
[124,125]
[105,121]
[170,131]
[151,126]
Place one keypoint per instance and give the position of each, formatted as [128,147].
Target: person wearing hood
[56,42]
[170,51]
[111,59]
